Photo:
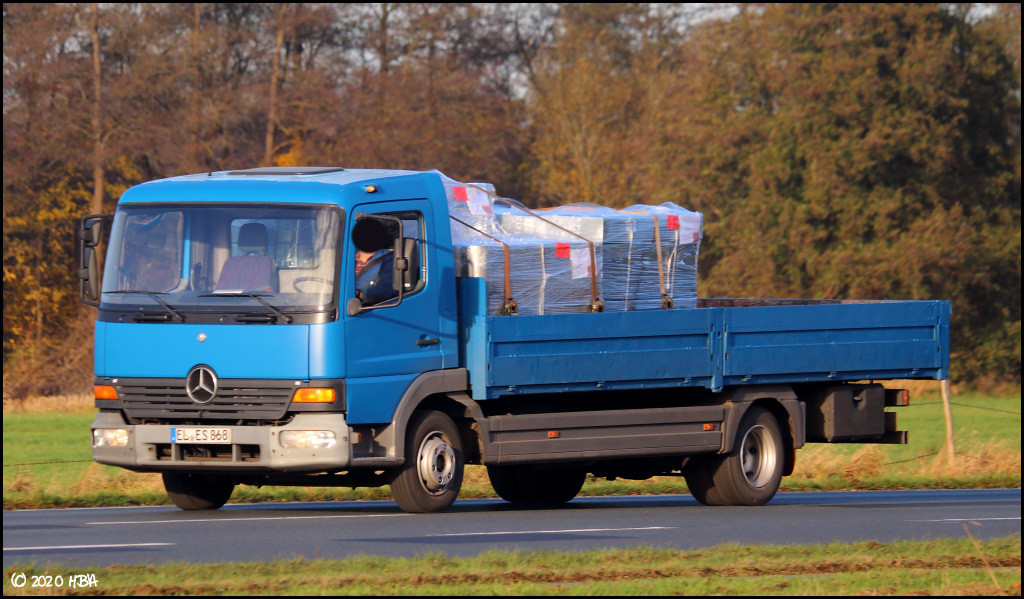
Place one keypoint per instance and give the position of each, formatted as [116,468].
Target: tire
[750,474]
[506,484]
[431,477]
[540,486]
[699,480]
[197,491]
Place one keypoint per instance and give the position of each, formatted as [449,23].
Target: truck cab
[229,332]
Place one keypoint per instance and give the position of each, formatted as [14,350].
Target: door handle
[430,341]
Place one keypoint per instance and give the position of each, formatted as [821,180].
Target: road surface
[261,532]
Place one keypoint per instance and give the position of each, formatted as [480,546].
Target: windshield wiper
[156,297]
[257,297]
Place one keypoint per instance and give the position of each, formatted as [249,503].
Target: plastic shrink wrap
[680,232]
[629,274]
[550,266]
[549,271]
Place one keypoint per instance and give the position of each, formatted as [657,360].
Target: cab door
[387,347]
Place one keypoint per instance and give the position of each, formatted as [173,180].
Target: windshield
[228,257]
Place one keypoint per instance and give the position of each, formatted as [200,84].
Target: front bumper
[253,448]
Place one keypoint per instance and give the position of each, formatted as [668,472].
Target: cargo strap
[508,305]
[596,305]
[666,299]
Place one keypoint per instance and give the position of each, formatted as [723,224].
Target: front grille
[236,399]
[166,452]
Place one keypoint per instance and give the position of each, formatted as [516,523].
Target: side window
[153,245]
[379,276]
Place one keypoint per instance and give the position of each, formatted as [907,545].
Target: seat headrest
[252,238]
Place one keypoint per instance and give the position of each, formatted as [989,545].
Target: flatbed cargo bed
[726,342]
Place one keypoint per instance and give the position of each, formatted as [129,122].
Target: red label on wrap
[562,250]
[673,222]
[460,194]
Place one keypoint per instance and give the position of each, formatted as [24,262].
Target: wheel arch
[432,390]
[782,403]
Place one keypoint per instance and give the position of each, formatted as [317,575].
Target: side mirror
[355,306]
[407,265]
[89,273]
[90,234]
[401,266]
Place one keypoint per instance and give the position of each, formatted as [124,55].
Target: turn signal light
[314,395]
[105,392]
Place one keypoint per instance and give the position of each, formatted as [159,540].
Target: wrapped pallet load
[573,258]
[559,260]
[680,232]
[629,274]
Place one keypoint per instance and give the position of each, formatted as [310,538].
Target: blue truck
[232,346]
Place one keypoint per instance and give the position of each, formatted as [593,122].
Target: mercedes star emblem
[201,384]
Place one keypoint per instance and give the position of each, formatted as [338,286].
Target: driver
[374,261]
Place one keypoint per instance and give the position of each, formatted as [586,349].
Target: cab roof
[320,174]
[301,184]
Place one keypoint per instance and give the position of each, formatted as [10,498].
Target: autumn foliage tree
[857,151]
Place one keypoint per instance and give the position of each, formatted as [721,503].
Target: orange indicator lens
[314,395]
[105,392]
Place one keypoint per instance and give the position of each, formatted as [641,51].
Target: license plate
[206,435]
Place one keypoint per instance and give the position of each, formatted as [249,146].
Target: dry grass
[96,477]
[81,402]
[921,389]
[817,461]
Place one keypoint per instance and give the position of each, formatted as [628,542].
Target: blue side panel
[374,399]
[610,350]
[707,347]
[835,342]
[99,345]
[473,333]
[233,351]
[327,351]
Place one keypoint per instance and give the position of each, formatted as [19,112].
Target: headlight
[109,437]
[308,439]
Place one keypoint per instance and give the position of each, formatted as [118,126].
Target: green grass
[940,567]
[47,462]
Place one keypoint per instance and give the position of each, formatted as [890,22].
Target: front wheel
[750,474]
[197,491]
[431,477]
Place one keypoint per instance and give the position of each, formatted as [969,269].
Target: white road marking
[115,546]
[534,532]
[245,519]
[966,519]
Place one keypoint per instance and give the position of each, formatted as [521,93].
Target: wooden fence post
[951,450]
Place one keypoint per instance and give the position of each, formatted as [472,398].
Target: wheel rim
[436,463]
[759,455]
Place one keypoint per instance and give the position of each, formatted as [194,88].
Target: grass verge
[940,567]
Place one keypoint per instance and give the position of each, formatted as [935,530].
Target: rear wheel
[699,481]
[545,486]
[431,477]
[506,484]
[750,474]
[197,491]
